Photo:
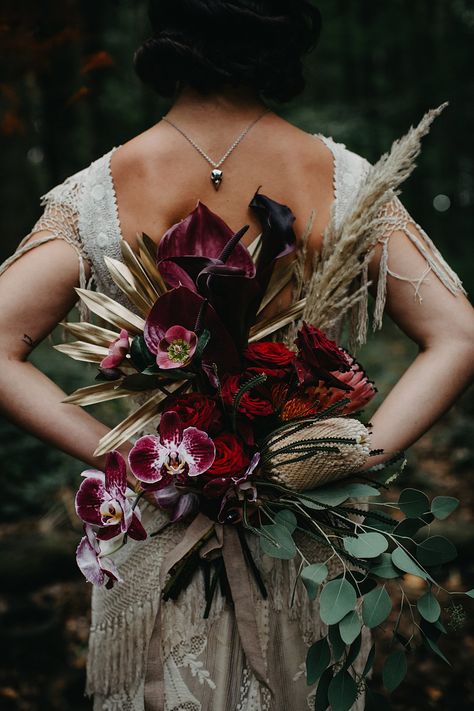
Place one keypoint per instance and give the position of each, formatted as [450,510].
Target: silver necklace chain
[217,164]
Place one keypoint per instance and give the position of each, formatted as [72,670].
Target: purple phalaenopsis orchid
[103,500]
[176,348]
[96,567]
[118,350]
[180,505]
[175,454]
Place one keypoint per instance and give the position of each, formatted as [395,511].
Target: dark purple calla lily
[103,500]
[176,453]
[242,487]
[97,569]
[278,238]
[188,305]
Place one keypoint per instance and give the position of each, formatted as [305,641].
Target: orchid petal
[89,498]
[168,497]
[88,563]
[136,529]
[197,449]
[146,459]
[171,430]
[187,504]
[115,475]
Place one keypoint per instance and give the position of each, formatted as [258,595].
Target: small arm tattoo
[28,340]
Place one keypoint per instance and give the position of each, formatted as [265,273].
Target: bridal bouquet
[254,435]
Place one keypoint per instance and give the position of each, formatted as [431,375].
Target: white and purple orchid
[174,455]
[118,350]
[176,348]
[104,500]
[96,567]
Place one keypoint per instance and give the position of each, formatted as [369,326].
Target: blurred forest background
[68,93]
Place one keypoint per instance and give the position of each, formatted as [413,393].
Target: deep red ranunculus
[251,404]
[319,357]
[196,410]
[272,358]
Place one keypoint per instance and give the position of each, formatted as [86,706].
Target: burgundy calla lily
[103,500]
[97,569]
[175,454]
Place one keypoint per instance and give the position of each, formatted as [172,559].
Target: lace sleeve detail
[394,217]
[60,218]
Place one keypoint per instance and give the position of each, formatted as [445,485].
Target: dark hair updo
[209,44]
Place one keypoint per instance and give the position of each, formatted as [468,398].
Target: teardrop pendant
[216,178]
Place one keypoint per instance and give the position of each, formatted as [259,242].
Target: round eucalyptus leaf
[317,660]
[429,607]
[470,593]
[402,560]
[436,550]
[284,546]
[338,597]
[443,506]
[384,568]
[321,701]
[286,518]
[376,607]
[342,691]
[349,627]
[366,545]
[369,661]
[413,503]
[409,527]
[394,670]
[312,576]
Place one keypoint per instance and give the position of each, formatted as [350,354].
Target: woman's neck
[230,105]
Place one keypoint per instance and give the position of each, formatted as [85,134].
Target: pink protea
[118,350]
[103,500]
[176,348]
[175,454]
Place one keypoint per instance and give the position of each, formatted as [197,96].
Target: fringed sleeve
[60,219]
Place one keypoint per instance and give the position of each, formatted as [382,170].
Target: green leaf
[429,607]
[376,607]
[384,568]
[370,661]
[394,670]
[434,647]
[336,494]
[140,354]
[312,576]
[321,701]
[203,340]
[403,561]
[436,550]
[284,547]
[470,593]
[413,503]
[366,545]
[337,645]
[342,691]
[409,527]
[338,597]
[443,506]
[317,660]
[286,518]
[353,651]
[349,627]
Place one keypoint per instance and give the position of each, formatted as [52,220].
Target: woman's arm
[442,325]
[36,293]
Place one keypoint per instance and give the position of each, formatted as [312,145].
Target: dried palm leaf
[270,325]
[125,280]
[147,251]
[111,311]
[281,276]
[147,275]
[255,247]
[86,352]
[100,392]
[90,333]
[135,422]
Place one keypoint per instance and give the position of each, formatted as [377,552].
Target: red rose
[231,458]
[251,404]
[268,357]
[318,357]
[196,410]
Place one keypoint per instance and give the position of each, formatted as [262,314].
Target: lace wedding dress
[205,668]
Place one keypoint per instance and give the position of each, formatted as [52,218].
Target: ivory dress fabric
[204,666]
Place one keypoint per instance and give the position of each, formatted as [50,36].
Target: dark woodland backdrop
[67,95]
